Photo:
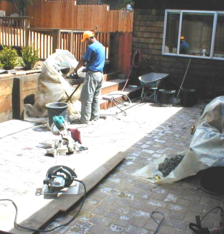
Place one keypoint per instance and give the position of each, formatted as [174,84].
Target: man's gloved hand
[74,72]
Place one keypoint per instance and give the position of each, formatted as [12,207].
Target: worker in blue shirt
[94,59]
[184,47]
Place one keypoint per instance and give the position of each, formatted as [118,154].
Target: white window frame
[177,54]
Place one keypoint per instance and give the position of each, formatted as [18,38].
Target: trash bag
[53,87]
[206,148]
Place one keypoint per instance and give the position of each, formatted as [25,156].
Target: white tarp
[52,86]
[206,148]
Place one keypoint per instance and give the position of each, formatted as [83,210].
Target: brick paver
[122,203]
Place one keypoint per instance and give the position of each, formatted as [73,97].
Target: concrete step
[131,92]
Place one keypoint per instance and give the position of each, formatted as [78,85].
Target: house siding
[205,75]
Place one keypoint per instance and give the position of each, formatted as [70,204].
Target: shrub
[8,57]
[29,57]
[20,62]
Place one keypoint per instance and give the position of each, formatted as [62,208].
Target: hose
[139,59]
[135,64]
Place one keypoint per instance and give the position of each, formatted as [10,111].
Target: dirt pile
[170,164]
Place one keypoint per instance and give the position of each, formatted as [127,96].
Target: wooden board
[6,86]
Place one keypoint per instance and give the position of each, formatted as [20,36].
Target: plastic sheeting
[52,86]
[206,148]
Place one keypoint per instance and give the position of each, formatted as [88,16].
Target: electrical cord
[158,223]
[196,228]
[16,225]
[217,207]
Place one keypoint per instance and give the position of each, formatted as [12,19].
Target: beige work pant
[90,96]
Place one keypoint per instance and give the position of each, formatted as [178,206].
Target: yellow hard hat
[87,34]
[182,38]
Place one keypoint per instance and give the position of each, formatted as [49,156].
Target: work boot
[100,117]
[103,117]
[79,121]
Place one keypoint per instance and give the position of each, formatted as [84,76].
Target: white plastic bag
[206,148]
[53,87]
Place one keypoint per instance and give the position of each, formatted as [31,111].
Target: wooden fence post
[114,46]
[17,99]
[71,42]
[56,39]
[26,32]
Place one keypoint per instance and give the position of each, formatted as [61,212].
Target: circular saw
[58,178]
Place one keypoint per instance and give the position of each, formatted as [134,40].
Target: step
[111,76]
[112,85]
[132,93]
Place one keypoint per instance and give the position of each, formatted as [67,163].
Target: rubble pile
[170,164]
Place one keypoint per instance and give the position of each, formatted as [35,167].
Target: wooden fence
[15,32]
[71,40]
[67,15]
[117,45]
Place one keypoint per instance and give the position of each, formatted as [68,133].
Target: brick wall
[148,37]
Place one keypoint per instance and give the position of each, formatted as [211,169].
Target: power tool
[67,144]
[198,229]
[58,178]
[59,122]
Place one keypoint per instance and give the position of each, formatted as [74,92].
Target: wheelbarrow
[150,83]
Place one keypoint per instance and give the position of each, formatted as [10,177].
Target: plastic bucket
[56,108]
[165,97]
[188,97]
[212,180]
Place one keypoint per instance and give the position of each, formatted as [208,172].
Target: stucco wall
[206,75]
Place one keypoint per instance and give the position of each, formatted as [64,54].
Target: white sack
[52,86]
[206,148]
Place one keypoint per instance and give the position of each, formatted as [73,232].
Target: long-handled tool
[177,100]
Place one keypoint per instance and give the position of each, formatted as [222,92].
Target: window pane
[219,37]
[172,28]
[197,33]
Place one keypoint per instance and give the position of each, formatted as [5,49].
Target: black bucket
[56,109]
[188,97]
[212,180]
[165,97]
